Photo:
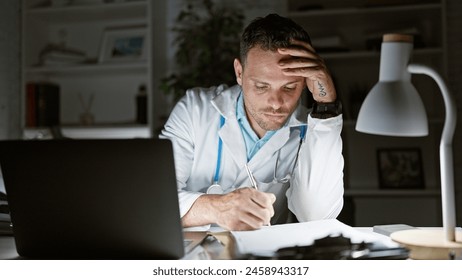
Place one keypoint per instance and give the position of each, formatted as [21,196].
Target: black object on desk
[2,196]
[337,248]
[6,228]
[5,220]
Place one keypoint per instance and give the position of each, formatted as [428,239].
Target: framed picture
[400,168]
[123,45]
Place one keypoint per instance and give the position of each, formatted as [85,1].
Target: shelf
[391,193]
[115,11]
[352,123]
[89,68]
[375,54]
[97,131]
[114,84]
[363,11]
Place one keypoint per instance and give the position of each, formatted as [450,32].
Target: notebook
[93,199]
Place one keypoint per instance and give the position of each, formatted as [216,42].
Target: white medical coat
[313,192]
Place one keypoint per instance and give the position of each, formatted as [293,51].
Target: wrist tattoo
[322,91]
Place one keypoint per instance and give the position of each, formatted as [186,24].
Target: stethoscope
[216,188]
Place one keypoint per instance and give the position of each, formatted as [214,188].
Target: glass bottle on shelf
[142,105]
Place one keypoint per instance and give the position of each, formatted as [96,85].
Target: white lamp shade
[393,108]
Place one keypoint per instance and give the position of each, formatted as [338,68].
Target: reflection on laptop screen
[93,199]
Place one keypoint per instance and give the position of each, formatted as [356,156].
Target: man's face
[270,96]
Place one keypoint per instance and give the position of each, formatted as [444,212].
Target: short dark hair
[270,33]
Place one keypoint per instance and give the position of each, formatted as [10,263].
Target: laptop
[93,199]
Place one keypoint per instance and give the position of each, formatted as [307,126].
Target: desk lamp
[394,108]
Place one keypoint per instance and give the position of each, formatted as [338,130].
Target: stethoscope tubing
[216,177]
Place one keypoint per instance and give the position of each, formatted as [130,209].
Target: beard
[270,119]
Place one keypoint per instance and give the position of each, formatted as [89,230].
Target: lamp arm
[446,155]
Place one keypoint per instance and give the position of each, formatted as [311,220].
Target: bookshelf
[348,34]
[109,84]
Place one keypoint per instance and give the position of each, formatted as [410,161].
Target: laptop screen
[93,199]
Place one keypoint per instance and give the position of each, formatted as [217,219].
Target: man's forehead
[259,55]
[261,62]
[288,81]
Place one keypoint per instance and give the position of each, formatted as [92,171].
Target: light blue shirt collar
[252,143]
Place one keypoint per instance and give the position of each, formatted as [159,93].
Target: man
[295,157]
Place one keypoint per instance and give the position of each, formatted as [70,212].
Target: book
[42,104]
[5,219]
[389,229]
[269,239]
[59,55]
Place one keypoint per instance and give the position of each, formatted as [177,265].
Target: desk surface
[211,249]
[221,248]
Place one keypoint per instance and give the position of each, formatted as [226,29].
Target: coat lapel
[230,133]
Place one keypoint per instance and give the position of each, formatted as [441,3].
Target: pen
[253,182]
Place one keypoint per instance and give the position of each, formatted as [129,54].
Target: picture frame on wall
[123,45]
[400,168]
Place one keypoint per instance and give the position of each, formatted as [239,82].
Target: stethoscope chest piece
[215,189]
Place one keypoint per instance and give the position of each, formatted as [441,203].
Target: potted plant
[207,41]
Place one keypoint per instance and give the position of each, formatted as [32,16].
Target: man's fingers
[302,64]
[252,209]
[265,202]
[253,221]
[299,48]
[301,60]
[302,43]
[272,197]
[261,198]
[295,62]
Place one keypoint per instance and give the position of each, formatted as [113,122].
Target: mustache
[273,111]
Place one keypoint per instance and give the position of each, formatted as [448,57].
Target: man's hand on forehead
[303,61]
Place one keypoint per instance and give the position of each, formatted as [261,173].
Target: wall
[252,9]
[454,41]
[9,68]
[10,64]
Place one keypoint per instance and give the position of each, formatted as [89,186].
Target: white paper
[268,240]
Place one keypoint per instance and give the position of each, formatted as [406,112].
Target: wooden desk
[212,249]
[220,247]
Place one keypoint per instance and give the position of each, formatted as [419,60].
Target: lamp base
[429,244]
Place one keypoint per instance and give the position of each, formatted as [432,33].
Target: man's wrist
[202,211]
[326,110]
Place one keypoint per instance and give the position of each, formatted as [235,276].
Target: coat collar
[225,103]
